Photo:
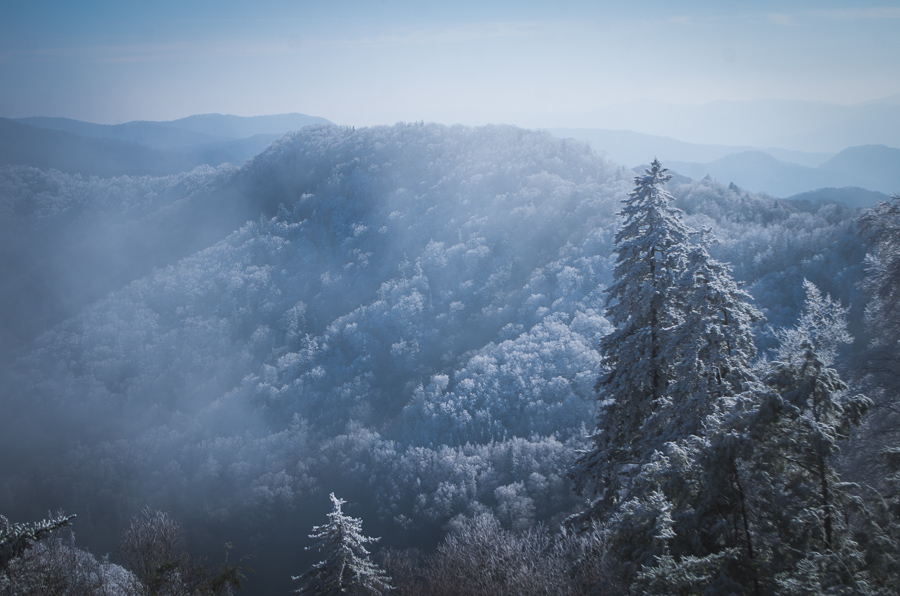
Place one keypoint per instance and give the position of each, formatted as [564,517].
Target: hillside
[409,318]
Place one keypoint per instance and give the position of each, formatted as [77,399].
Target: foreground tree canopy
[707,473]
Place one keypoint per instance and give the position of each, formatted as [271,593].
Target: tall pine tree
[651,252]
[712,345]
[708,547]
[681,350]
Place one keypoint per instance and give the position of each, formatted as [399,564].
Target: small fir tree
[346,567]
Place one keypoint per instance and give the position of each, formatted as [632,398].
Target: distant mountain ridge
[811,126]
[141,147]
[871,167]
[633,148]
[876,165]
[24,144]
[160,148]
[184,132]
[849,196]
[157,135]
[239,127]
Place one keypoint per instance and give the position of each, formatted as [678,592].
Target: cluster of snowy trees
[412,324]
[36,560]
[707,472]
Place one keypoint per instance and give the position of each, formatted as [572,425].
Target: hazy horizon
[355,63]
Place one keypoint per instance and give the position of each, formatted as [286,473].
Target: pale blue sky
[382,61]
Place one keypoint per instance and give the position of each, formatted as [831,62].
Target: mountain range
[810,126]
[141,148]
[160,148]
[778,172]
[872,167]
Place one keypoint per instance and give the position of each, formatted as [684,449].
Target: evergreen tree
[696,472]
[881,360]
[682,348]
[651,252]
[801,508]
[881,227]
[346,568]
[16,538]
[757,504]
[881,366]
[712,344]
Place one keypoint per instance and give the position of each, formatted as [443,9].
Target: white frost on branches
[346,568]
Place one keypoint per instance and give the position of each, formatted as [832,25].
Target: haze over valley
[513,290]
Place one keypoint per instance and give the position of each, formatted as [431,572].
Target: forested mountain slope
[68,240]
[410,319]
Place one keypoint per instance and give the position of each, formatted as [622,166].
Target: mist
[406,316]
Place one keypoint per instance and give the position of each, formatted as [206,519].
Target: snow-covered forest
[451,329]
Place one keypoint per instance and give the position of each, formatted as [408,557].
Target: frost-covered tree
[346,567]
[55,566]
[757,505]
[16,538]
[876,459]
[802,415]
[480,558]
[651,253]
[712,344]
[881,227]
[682,347]
[698,479]
[151,549]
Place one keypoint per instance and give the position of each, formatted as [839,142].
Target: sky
[371,62]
